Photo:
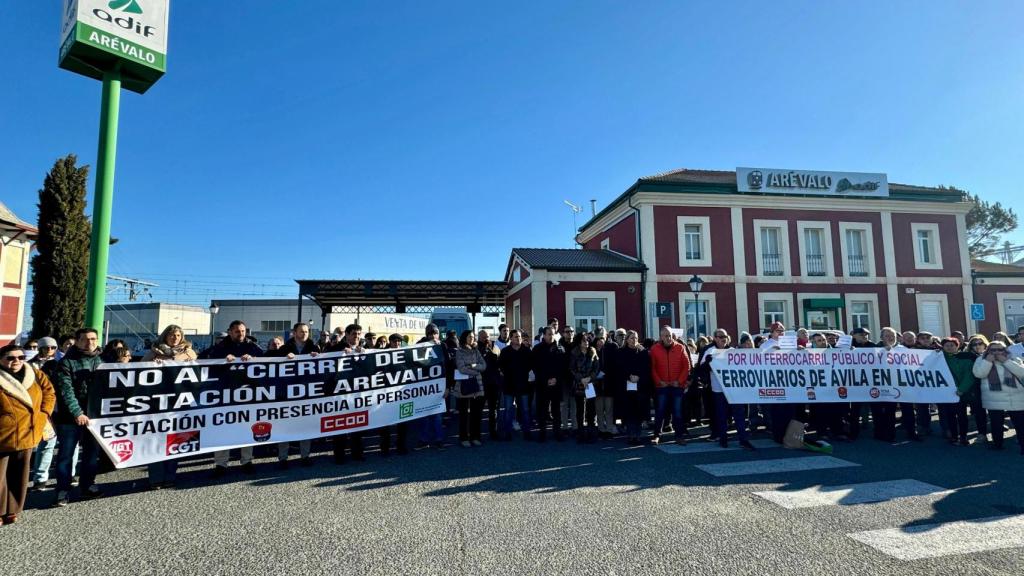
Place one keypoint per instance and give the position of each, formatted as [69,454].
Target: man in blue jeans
[670,371]
[515,362]
[73,375]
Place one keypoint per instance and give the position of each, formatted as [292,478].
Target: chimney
[593,207]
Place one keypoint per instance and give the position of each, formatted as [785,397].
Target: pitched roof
[10,219]
[577,260]
[985,267]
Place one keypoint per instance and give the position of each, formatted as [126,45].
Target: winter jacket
[1008,394]
[583,365]
[611,383]
[26,402]
[492,375]
[670,365]
[961,365]
[515,370]
[182,353]
[229,347]
[291,347]
[635,362]
[550,361]
[74,372]
[470,362]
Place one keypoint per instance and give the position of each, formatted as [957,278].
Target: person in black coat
[516,363]
[235,346]
[608,386]
[634,367]
[551,366]
[299,344]
[492,381]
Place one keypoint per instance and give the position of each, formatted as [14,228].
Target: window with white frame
[856,253]
[275,325]
[774,311]
[771,251]
[14,264]
[589,313]
[927,254]
[517,320]
[606,244]
[814,251]
[860,315]
[694,240]
[696,319]
[517,274]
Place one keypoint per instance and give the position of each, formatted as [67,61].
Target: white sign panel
[778,181]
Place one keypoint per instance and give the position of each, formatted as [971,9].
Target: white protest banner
[830,375]
[147,412]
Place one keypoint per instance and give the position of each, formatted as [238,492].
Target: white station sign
[778,181]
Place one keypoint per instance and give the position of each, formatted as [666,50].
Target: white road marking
[703,447]
[851,493]
[772,466]
[946,539]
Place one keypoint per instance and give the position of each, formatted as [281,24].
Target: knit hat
[47,342]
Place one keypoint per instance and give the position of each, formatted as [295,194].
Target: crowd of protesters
[562,384]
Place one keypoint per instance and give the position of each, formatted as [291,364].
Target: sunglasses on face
[13,358]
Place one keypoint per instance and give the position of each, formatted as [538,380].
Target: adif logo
[130,6]
[755,179]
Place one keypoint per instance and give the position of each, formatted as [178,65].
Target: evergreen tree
[60,268]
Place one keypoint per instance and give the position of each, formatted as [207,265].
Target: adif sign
[99,35]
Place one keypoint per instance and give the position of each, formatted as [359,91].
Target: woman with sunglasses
[1002,391]
[26,402]
[970,393]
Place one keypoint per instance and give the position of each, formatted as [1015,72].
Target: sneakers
[477,443]
[62,499]
[10,519]
[465,444]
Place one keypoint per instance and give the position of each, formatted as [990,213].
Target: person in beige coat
[170,347]
[26,402]
[1001,380]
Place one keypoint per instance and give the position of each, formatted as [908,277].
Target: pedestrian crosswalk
[849,494]
[699,447]
[773,466]
[906,542]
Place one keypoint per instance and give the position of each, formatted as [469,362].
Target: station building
[807,248]
[16,239]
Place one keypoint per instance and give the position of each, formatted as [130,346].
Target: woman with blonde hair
[171,346]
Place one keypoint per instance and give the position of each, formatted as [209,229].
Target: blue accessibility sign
[977,311]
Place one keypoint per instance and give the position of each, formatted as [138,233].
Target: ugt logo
[405,410]
[129,6]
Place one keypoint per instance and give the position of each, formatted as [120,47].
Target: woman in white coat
[1001,380]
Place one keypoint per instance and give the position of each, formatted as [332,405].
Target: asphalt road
[557,508]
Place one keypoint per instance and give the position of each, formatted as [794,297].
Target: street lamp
[214,308]
[696,283]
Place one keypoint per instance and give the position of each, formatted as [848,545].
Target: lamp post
[214,308]
[696,283]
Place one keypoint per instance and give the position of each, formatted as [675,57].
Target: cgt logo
[338,422]
[771,393]
[123,449]
[182,443]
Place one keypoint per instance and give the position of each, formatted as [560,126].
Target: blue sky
[426,139]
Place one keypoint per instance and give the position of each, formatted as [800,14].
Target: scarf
[17,384]
[995,384]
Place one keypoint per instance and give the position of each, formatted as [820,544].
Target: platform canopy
[401,296]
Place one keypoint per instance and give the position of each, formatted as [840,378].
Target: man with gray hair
[610,382]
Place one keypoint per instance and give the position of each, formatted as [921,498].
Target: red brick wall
[954,296]
[754,320]
[628,308]
[525,297]
[9,308]
[903,244]
[667,234]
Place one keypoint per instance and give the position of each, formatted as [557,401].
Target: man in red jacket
[670,370]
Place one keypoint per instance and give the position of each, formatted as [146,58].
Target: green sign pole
[103,201]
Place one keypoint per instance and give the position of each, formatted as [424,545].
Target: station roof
[9,221]
[577,260]
[402,295]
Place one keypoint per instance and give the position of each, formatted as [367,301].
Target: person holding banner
[469,389]
[960,365]
[670,371]
[883,414]
[584,365]
[235,347]
[351,343]
[432,426]
[73,375]
[723,409]
[550,363]
[861,339]
[300,344]
[26,402]
[1002,391]
[401,429]
[779,415]
[171,346]
[516,364]
[971,396]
